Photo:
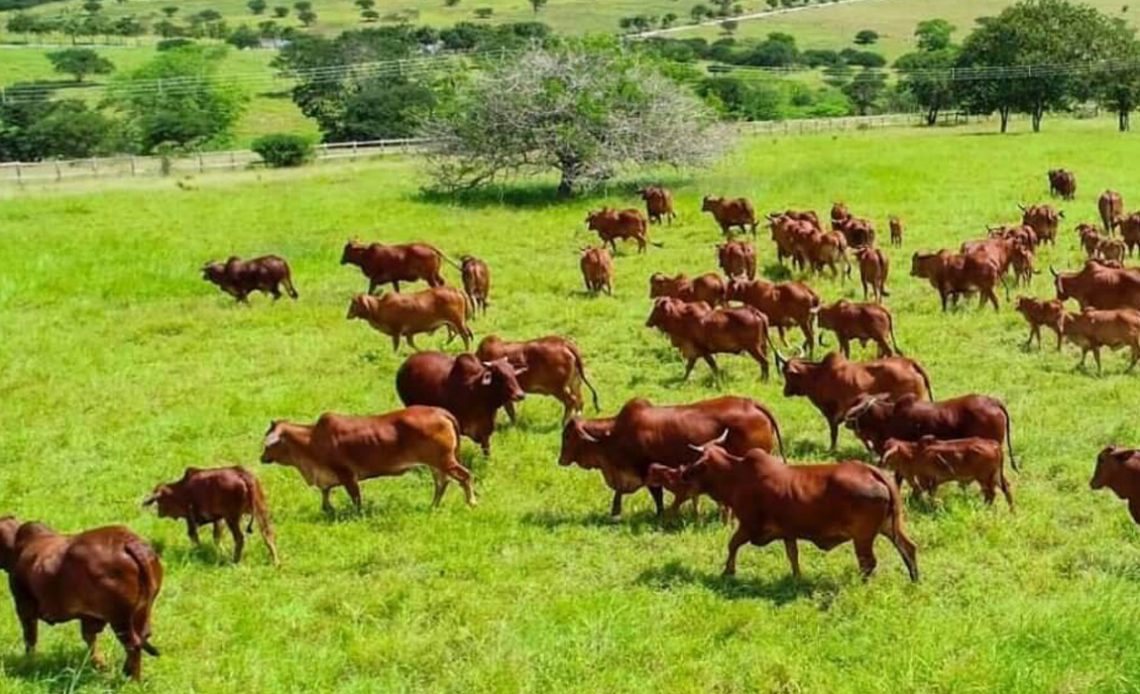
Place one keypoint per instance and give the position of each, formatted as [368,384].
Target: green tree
[583,109]
[193,108]
[307,17]
[866,37]
[934,34]
[257,6]
[1116,84]
[80,62]
[865,89]
[537,5]
[170,11]
[369,15]
[244,37]
[926,75]
[699,12]
[22,23]
[92,6]
[280,12]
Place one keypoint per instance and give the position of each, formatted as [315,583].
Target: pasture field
[121,367]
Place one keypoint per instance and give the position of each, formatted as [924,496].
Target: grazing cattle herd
[725,448]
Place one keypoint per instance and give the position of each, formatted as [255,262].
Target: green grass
[122,367]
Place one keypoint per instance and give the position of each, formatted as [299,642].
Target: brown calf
[597,270]
[737,259]
[550,365]
[1022,259]
[1092,329]
[658,203]
[1063,183]
[1119,469]
[850,321]
[1037,313]
[408,315]
[476,281]
[729,213]
[928,463]
[874,266]
[786,304]
[953,275]
[396,263]
[240,278]
[213,496]
[700,332]
[1111,208]
[708,288]
[896,231]
[612,225]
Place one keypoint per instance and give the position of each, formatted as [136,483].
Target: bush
[283,149]
[172,44]
[866,37]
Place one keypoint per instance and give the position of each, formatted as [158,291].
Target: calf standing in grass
[476,282]
[927,463]
[896,231]
[1119,470]
[1091,330]
[1050,314]
[874,265]
[737,259]
[240,278]
[213,496]
[597,270]
[850,321]
[408,315]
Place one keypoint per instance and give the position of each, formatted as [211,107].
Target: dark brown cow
[550,365]
[786,304]
[1037,313]
[928,463]
[1111,207]
[826,505]
[896,231]
[953,275]
[476,281]
[737,259]
[408,315]
[210,497]
[1100,286]
[858,232]
[470,389]
[700,332]
[624,446]
[597,270]
[240,278]
[1063,183]
[876,418]
[1044,220]
[341,450]
[103,576]
[383,264]
[1090,239]
[834,384]
[1092,329]
[851,321]
[874,266]
[1022,260]
[1130,232]
[658,203]
[612,225]
[708,288]
[729,213]
[1119,469]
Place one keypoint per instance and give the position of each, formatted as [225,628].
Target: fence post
[354,150]
[19,175]
[233,160]
[94,167]
[132,165]
[201,166]
[58,172]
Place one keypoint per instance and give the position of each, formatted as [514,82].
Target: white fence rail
[138,166]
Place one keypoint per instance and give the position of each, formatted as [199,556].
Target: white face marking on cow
[272,438]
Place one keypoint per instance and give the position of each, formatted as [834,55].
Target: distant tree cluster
[778,49]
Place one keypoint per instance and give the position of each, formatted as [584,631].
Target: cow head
[500,381]
[214,272]
[868,411]
[1110,463]
[709,203]
[1063,283]
[897,454]
[9,525]
[713,460]
[353,252]
[666,477]
[925,265]
[169,503]
[664,310]
[361,306]
[583,442]
[595,220]
[797,373]
[275,449]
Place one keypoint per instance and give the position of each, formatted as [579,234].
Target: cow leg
[884,348]
[371,286]
[133,644]
[712,365]
[793,552]
[275,292]
[833,426]
[326,506]
[844,346]
[234,524]
[906,550]
[1135,358]
[410,339]
[396,286]
[192,531]
[762,360]
[864,289]
[1096,356]
[738,540]
[463,476]
[29,619]
[510,409]
[353,488]
[441,482]
[783,335]
[989,490]
[658,500]
[396,342]
[944,298]
[615,507]
[90,629]
[992,296]
[1034,330]
[1003,483]
[865,554]
[217,527]
[689,367]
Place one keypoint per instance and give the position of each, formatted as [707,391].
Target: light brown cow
[341,450]
[476,281]
[407,315]
[700,332]
[874,266]
[708,288]
[1130,232]
[731,212]
[929,462]
[1092,329]
[737,259]
[820,249]
[896,231]
[786,304]
[1111,207]
[550,365]
[953,275]
[658,203]
[851,321]
[1037,313]
[597,270]
[1044,219]
[612,225]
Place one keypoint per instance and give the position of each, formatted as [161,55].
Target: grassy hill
[122,367]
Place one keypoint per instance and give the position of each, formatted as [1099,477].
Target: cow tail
[895,342]
[775,428]
[142,554]
[443,256]
[582,375]
[925,379]
[259,510]
[454,427]
[1009,436]
[288,282]
[895,501]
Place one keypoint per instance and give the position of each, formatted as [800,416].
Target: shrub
[172,44]
[283,149]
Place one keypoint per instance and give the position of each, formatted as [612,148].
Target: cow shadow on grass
[777,272]
[810,449]
[67,668]
[632,522]
[780,591]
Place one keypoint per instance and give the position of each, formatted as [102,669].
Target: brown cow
[821,249]
[1019,234]
[826,505]
[612,225]
[470,389]
[1090,239]
[700,332]
[998,250]
[670,478]
[1022,260]
[341,450]
[1099,285]
[597,270]
[953,275]
[550,365]
[240,278]
[786,304]
[1111,207]
[1130,232]
[623,447]
[896,231]
[1043,219]
[850,321]
[808,216]
[658,203]
[876,418]
[834,384]
[737,259]
[790,235]
[1092,329]
[213,496]
[928,463]
[729,213]
[1037,313]
[858,232]
[1063,183]
[708,288]
[1119,469]
[383,264]
[874,266]
[1111,250]
[839,213]
[103,576]
[476,281]
[407,315]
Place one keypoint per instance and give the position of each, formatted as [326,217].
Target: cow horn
[1021,207]
[150,500]
[586,436]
